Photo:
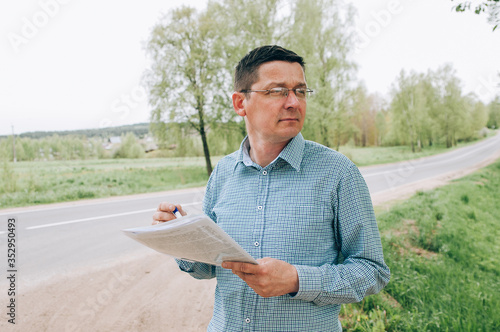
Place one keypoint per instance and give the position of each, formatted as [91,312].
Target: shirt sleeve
[363,271]
[196,269]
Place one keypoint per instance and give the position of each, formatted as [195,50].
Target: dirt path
[146,293]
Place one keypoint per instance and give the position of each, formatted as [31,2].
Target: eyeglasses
[300,93]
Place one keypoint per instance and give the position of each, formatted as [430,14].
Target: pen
[176,213]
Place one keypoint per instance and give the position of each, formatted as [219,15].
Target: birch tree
[321,32]
[186,78]
[409,108]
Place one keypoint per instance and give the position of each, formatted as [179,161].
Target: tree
[494,113]
[259,23]
[449,110]
[186,77]
[321,31]
[381,123]
[478,116]
[410,108]
[365,118]
[492,6]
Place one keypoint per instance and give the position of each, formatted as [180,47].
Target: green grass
[390,154]
[42,182]
[32,183]
[443,251]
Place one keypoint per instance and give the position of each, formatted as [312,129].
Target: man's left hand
[272,277]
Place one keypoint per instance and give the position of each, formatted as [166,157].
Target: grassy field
[443,251]
[33,183]
[390,154]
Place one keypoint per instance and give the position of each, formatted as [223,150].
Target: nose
[291,100]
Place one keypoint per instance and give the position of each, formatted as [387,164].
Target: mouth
[289,120]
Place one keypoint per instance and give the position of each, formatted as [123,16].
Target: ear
[239,103]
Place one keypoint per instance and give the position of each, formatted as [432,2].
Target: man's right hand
[165,212]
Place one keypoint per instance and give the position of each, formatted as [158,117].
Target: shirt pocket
[302,234]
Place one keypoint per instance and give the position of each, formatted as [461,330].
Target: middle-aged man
[302,209]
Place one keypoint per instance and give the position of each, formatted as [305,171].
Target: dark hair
[247,70]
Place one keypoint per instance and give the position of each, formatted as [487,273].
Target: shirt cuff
[309,283]
[185,266]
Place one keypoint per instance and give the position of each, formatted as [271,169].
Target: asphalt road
[389,177]
[71,237]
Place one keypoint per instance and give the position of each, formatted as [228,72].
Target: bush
[129,148]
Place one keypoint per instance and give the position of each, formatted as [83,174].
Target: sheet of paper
[195,238]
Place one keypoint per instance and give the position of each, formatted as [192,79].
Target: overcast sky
[70,64]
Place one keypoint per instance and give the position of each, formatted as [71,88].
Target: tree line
[76,144]
[181,142]
[53,147]
[69,147]
[193,55]
[139,130]
[430,108]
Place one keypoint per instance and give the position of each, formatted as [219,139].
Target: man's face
[274,119]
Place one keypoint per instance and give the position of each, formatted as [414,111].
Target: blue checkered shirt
[311,208]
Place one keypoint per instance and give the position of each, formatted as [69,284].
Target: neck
[263,153]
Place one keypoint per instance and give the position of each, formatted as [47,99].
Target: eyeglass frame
[307,90]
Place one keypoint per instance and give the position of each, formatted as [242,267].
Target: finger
[240,274]
[241,267]
[179,207]
[229,265]
[156,222]
[249,278]
[166,207]
[170,208]
[163,216]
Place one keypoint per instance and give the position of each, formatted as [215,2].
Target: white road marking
[97,201]
[99,217]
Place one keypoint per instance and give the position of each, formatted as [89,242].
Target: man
[301,209]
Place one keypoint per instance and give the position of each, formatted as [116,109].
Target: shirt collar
[292,153]
[247,160]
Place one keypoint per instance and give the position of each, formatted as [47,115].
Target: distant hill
[139,129]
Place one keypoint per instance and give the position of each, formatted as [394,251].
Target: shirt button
[256,244]
[247,320]
[264,172]
[259,207]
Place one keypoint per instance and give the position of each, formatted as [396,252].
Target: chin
[290,133]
